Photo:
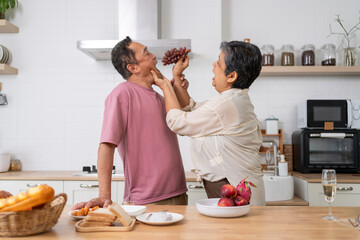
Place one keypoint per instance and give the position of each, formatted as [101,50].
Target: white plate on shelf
[1,54]
[132,210]
[210,208]
[176,217]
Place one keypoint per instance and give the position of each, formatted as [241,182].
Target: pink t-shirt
[134,120]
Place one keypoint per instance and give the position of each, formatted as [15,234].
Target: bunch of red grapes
[173,55]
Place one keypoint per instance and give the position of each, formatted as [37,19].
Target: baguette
[25,201]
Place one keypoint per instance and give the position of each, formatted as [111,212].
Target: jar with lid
[287,55]
[267,55]
[308,55]
[329,55]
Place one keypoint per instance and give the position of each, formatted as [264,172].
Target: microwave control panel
[355,106]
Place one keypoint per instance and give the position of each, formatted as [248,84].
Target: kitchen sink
[86,174]
[278,188]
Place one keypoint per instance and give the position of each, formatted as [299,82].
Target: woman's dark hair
[243,58]
[121,56]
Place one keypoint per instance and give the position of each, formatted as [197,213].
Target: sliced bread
[120,213]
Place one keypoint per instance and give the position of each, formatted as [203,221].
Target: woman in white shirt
[224,130]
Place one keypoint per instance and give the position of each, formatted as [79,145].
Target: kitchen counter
[316,177]
[67,175]
[260,223]
[63,175]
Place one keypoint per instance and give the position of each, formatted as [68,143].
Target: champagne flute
[268,157]
[328,181]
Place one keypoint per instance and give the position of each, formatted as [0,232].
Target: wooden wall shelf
[310,71]
[280,141]
[7,70]
[7,27]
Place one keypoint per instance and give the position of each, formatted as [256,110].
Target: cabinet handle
[88,186]
[195,187]
[344,189]
[32,185]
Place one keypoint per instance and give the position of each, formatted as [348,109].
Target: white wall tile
[54,117]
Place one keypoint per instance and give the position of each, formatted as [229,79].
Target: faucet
[275,166]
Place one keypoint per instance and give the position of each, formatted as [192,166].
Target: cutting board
[116,227]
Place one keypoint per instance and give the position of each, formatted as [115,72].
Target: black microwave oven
[341,113]
[315,150]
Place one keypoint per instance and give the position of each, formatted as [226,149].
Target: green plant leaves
[6,4]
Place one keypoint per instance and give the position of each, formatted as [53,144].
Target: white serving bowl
[4,161]
[210,208]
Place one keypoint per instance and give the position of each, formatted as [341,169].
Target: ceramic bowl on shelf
[210,208]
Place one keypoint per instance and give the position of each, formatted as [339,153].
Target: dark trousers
[212,189]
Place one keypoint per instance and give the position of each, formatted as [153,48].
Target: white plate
[210,208]
[75,217]
[1,53]
[132,210]
[176,217]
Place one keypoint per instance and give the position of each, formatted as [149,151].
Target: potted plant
[5,5]
[348,40]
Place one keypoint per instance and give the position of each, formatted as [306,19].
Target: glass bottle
[287,55]
[349,52]
[267,55]
[329,55]
[308,55]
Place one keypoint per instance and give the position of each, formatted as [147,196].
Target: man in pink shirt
[135,123]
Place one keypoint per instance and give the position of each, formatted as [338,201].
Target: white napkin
[161,217]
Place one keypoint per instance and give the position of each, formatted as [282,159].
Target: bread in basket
[16,218]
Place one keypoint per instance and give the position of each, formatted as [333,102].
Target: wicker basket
[14,224]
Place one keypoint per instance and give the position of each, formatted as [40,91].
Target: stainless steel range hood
[141,20]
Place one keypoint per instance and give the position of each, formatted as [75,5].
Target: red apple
[228,191]
[240,201]
[225,202]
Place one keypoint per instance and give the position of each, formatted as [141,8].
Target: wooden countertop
[316,177]
[63,175]
[260,223]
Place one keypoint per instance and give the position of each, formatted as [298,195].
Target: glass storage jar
[15,165]
[287,55]
[267,55]
[308,55]
[329,55]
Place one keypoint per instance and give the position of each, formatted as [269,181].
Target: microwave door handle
[349,110]
[331,135]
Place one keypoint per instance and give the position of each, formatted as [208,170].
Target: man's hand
[162,83]
[180,66]
[184,81]
[92,203]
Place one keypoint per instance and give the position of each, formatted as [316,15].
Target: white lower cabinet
[347,194]
[16,186]
[120,191]
[196,191]
[83,191]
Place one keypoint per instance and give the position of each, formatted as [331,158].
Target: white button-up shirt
[225,139]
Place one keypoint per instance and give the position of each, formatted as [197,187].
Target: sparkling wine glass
[328,181]
[268,157]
